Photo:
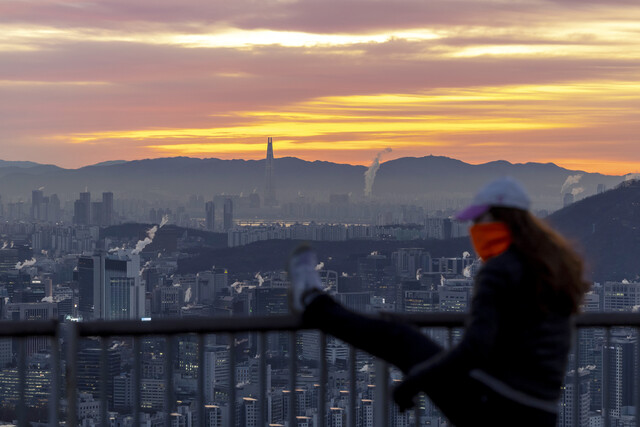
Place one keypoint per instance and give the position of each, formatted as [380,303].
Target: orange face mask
[490,239]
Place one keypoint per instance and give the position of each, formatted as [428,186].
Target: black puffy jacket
[510,344]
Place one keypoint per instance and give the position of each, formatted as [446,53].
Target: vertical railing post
[54,402]
[292,378]
[232,380]
[22,379]
[322,397]
[169,399]
[381,400]
[352,386]
[72,374]
[637,377]
[605,376]
[576,378]
[103,380]
[200,395]
[137,380]
[262,383]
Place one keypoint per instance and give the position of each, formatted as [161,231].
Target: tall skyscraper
[210,214]
[36,202]
[107,208]
[110,286]
[270,186]
[82,209]
[227,216]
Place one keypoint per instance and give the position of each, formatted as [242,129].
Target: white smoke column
[465,255]
[4,245]
[625,282]
[370,174]
[26,263]
[320,266]
[260,279]
[631,176]
[187,295]
[576,191]
[146,265]
[47,299]
[442,279]
[571,180]
[151,233]
[41,188]
[418,273]
[237,286]
[344,274]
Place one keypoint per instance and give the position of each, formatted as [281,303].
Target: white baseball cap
[504,192]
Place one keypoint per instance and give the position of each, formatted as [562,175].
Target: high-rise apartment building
[107,208]
[37,197]
[210,215]
[227,214]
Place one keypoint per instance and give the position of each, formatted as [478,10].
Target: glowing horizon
[473,80]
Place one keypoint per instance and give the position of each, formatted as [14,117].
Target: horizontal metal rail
[10,328]
[212,325]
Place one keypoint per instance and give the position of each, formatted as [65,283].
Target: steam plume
[631,176]
[465,255]
[260,279]
[41,188]
[151,234]
[26,263]
[187,295]
[577,190]
[571,180]
[320,266]
[370,174]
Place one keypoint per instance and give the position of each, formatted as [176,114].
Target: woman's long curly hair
[552,265]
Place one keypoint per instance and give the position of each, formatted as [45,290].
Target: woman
[509,366]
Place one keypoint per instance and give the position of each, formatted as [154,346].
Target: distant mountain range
[402,180]
[606,229]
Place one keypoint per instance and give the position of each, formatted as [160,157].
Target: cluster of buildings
[432,228]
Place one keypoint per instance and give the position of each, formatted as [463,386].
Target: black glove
[405,393]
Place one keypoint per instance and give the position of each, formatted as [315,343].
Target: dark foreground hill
[606,229]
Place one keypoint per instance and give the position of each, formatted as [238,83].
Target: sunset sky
[547,81]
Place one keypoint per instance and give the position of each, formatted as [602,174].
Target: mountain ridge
[402,180]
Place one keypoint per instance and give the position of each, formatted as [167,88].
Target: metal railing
[72,332]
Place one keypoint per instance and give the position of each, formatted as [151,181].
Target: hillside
[606,229]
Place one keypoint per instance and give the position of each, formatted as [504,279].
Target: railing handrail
[235,324]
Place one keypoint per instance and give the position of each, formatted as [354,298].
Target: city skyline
[478,81]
